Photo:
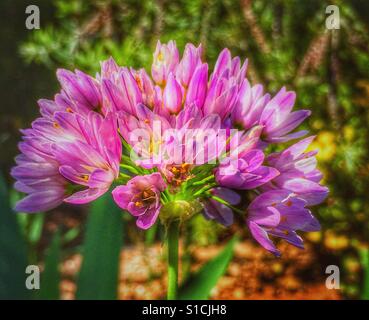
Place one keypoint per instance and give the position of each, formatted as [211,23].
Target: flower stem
[173,235]
[130,168]
[203,181]
[204,189]
[220,200]
[124,176]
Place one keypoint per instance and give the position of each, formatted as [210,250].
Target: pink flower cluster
[74,151]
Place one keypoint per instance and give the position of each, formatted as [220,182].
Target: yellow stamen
[85,177]
[139,82]
[146,194]
[138,204]
[160,57]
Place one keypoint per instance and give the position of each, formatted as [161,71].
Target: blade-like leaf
[50,278]
[364,257]
[98,278]
[35,231]
[199,285]
[13,260]
[71,234]
[150,234]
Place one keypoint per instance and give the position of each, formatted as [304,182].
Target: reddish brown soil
[252,274]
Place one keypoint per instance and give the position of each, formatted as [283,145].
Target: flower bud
[191,59]
[179,210]
[198,86]
[172,96]
[166,58]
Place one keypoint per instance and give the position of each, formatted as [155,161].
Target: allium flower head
[175,141]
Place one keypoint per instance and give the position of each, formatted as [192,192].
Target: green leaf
[98,278]
[71,234]
[35,231]
[150,234]
[199,285]
[13,259]
[364,257]
[50,278]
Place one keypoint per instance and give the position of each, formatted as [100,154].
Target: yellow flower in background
[325,143]
[314,237]
[351,264]
[334,241]
[349,133]
[318,124]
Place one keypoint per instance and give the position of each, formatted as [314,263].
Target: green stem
[364,257]
[204,189]
[165,195]
[172,243]
[130,168]
[226,204]
[203,181]
[150,235]
[124,176]
[186,258]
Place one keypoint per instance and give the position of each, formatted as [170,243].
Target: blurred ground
[252,274]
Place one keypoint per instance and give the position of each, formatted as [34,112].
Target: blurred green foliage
[286,42]
[49,287]
[13,260]
[199,285]
[98,277]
